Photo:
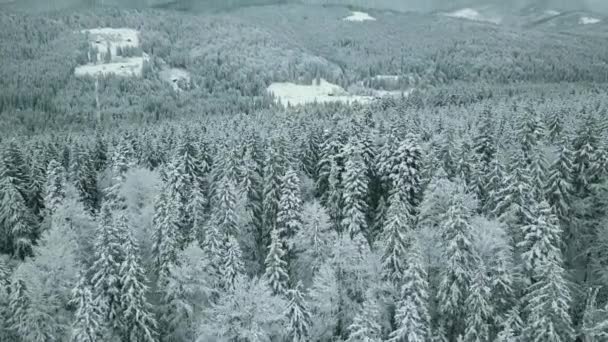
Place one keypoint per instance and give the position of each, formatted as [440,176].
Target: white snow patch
[359,16]
[389,78]
[588,21]
[322,92]
[552,12]
[175,77]
[474,15]
[125,67]
[112,38]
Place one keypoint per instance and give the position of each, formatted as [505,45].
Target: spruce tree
[232,263]
[276,266]
[55,186]
[460,258]
[548,296]
[16,220]
[105,271]
[289,220]
[412,316]
[478,308]
[298,316]
[165,240]
[396,239]
[88,323]
[137,323]
[511,327]
[355,191]
[559,184]
[365,326]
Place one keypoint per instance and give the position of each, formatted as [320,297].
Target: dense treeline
[233,57]
[403,221]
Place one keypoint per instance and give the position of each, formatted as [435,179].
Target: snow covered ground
[323,92]
[589,21]
[552,12]
[112,38]
[359,16]
[388,78]
[175,77]
[125,67]
[474,15]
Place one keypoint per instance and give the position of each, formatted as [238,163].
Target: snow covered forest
[474,209]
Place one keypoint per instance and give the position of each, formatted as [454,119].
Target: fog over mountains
[399,5]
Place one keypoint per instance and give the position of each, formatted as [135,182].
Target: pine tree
[276,267]
[55,186]
[232,263]
[478,307]
[88,323]
[298,316]
[405,176]
[137,323]
[396,237]
[355,191]
[36,188]
[493,186]
[413,319]
[460,260]
[585,165]
[253,187]
[538,174]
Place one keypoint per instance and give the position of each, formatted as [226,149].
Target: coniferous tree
[511,327]
[233,263]
[365,326]
[166,246]
[412,317]
[478,307]
[16,220]
[105,271]
[273,172]
[137,323]
[355,191]
[276,266]
[548,296]
[298,316]
[289,221]
[559,184]
[88,323]
[55,186]
[460,260]
[397,233]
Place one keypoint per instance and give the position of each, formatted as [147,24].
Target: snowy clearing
[389,78]
[112,38]
[589,21]
[175,77]
[552,12]
[125,67]
[322,92]
[474,15]
[359,16]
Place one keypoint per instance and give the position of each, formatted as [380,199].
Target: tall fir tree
[289,220]
[55,186]
[298,316]
[396,239]
[548,295]
[412,316]
[276,273]
[88,322]
[137,323]
[478,307]
[355,191]
[460,258]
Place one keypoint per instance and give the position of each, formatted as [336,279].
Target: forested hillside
[474,208]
